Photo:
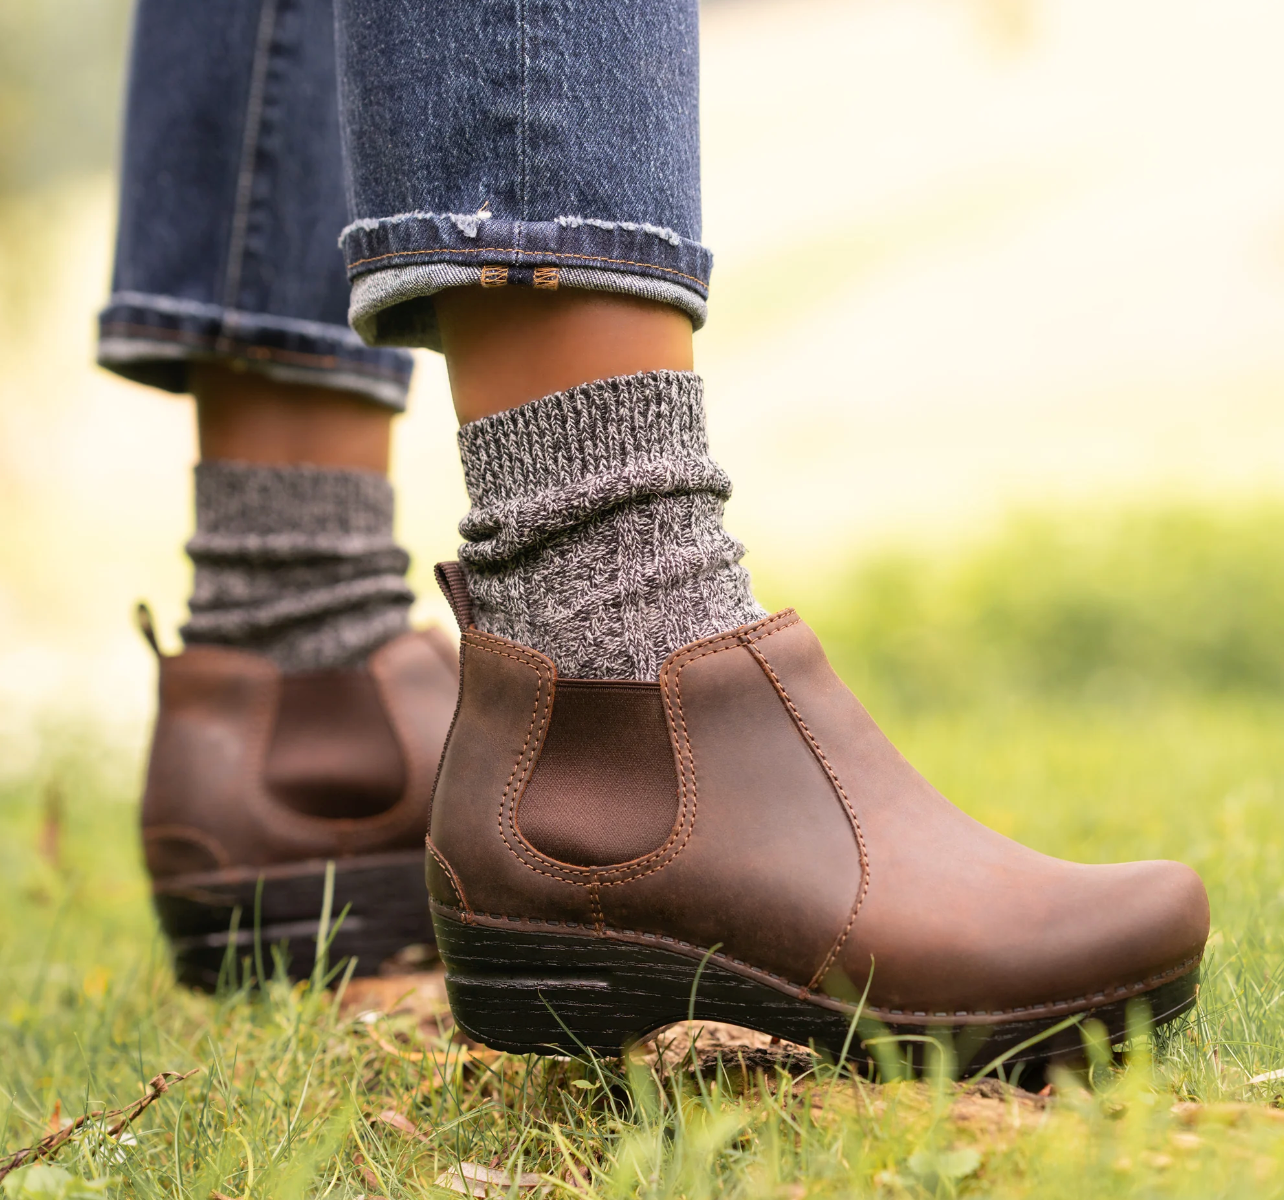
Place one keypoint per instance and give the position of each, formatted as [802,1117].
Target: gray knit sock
[595,533]
[296,563]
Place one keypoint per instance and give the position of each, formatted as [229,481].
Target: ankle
[510,345]
[246,417]
[596,532]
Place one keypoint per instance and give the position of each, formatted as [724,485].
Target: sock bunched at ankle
[296,563]
[595,533]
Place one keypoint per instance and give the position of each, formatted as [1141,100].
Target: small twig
[51,825]
[47,1147]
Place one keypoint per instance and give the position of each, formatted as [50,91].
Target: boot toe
[1055,936]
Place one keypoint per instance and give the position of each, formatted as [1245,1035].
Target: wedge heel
[557,992]
[384,894]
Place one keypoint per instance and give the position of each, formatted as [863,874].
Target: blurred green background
[995,354]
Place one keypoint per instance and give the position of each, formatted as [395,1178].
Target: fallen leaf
[390,1116]
[472,1179]
[1267,1077]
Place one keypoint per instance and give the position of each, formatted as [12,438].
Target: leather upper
[248,767]
[804,847]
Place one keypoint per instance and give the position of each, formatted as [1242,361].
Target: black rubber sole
[211,917]
[558,993]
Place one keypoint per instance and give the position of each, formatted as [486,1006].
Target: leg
[507,346]
[249,418]
[537,215]
[303,719]
[232,195]
[701,819]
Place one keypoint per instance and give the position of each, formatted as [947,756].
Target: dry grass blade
[49,1146]
[472,1179]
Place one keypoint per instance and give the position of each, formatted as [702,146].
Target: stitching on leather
[823,969]
[189,833]
[714,645]
[595,900]
[478,640]
[619,262]
[615,876]
[1048,1008]
[416,768]
[467,909]
[568,872]
[541,678]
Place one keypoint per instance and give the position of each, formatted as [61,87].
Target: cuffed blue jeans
[300,177]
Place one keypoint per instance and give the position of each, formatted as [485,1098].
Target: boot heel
[384,894]
[563,992]
[543,994]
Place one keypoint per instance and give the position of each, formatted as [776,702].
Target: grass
[1099,689]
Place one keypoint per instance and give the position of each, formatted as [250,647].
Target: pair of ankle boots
[736,841]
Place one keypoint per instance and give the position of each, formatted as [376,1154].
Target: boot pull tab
[147,627]
[450,578]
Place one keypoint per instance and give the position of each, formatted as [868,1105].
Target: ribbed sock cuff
[297,563]
[596,528]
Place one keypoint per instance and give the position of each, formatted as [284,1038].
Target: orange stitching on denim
[492,277]
[619,262]
[547,277]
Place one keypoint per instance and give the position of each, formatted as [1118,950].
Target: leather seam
[716,645]
[189,833]
[592,876]
[1111,992]
[450,730]
[837,785]
[543,677]
[411,755]
[467,910]
[595,900]
[616,875]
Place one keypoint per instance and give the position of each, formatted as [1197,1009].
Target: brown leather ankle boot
[258,779]
[739,842]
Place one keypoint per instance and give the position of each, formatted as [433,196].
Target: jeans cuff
[151,339]
[396,263]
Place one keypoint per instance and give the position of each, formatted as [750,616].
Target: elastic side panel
[605,789]
[333,751]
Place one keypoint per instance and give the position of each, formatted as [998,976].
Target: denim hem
[394,307]
[620,247]
[152,338]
